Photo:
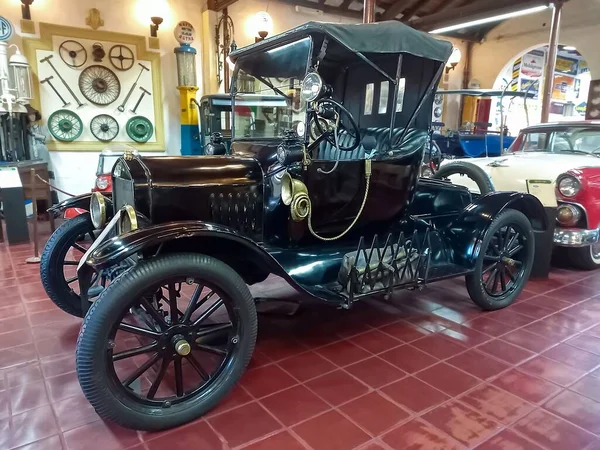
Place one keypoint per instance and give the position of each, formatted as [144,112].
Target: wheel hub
[182,347]
[508,261]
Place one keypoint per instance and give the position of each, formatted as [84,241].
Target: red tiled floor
[374,413]
[446,375]
[448,379]
[331,431]
[525,386]
[462,423]
[414,394]
[478,364]
[553,432]
[416,435]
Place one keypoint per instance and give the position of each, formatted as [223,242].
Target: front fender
[79,201]
[467,231]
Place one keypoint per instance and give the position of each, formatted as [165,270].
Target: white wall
[75,171]
[579,28]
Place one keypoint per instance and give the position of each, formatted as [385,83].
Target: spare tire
[475,173]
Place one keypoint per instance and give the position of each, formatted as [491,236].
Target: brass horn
[295,195]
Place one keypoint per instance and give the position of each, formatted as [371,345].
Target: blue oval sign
[6,29]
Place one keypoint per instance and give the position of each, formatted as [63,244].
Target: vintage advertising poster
[532,65]
[566,65]
[562,87]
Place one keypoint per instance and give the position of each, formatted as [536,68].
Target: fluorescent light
[473,23]
[569,48]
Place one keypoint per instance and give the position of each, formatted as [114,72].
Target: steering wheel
[329,105]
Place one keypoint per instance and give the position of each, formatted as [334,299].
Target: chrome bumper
[575,237]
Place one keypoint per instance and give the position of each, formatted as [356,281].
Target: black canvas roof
[391,37]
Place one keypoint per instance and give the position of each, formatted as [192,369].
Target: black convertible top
[380,37]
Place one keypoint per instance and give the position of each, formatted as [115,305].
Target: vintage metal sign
[6,29]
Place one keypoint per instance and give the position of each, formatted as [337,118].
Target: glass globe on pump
[185,56]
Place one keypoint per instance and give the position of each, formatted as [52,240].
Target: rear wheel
[504,261]
[586,258]
[166,341]
[58,263]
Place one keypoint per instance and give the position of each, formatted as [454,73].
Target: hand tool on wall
[122,106]
[144,92]
[47,59]
[49,81]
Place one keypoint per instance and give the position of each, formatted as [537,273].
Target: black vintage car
[340,216]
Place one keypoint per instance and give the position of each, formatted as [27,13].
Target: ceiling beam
[219,5]
[410,12]
[473,11]
[326,8]
[396,8]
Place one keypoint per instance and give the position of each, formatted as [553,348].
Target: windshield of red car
[571,140]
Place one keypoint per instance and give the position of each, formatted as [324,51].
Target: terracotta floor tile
[585,342]
[497,404]
[525,386]
[74,412]
[417,435]
[375,372]
[505,351]
[573,293]
[405,331]
[32,426]
[549,330]
[448,379]
[576,409]
[266,380]
[337,387]
[63,386]
[439,345]
[462,423]
[478,364]
[279,441]
[28,373]
[490,326]
[508,440]
[574,357]
[374,413]
[252,422]
[414,394]
[529,341]
[51,443]
[307,365]
[28,396]
[466,336]
[588,386]
[566,321]
[511,317]
[532,310]
[553,432]
[15,338]
[375,341]
[408,358]
[456,316]
[343,353]
[280,347]
[551,370]
[294,405]
[331,431]
[198,435]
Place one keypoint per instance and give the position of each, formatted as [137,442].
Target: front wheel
[166,341]
[504,261]
[585,258]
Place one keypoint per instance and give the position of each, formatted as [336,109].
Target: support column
[369,11]
[209,63]
[551,60]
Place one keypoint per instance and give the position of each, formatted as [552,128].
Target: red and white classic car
[560,164]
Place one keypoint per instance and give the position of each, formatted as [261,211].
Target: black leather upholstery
[413,141]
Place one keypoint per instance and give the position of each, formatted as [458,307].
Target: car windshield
[267,100]
[573,140]
[106,163]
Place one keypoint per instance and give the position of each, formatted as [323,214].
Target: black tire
[52,260]
[582,258]
[478,288]
[109,398]
[475,173]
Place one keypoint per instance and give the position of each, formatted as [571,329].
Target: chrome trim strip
[575,237]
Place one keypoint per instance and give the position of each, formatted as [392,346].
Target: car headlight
[569,186]
[101,182]
[312,85]
[128,220]
[98,210]
[568,215]
[426,172]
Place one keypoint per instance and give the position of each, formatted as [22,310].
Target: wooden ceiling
[425,15]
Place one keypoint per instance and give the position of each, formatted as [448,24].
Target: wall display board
[91,86]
